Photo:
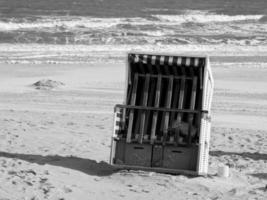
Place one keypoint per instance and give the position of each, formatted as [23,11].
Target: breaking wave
[120,34]
[205,17]
[66,23]
[60,23]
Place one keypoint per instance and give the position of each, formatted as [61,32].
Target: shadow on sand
[90,167]
[253,156]
[260,176]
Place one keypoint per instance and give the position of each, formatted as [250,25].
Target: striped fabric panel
[117,121]
[162,58]
[119,114]
[179,61]
[170,60]
[187,62]
[145,59]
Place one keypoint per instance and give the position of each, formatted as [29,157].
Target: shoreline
[82,54]
[252,60]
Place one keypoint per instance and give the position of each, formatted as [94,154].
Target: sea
[80,31]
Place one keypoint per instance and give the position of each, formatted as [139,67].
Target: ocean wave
[159,37]
[204,17]
[63,22]
[189,27]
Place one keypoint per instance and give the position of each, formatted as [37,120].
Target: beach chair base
[155,157]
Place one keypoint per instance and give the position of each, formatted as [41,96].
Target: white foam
[204,17]
[159,33]
[49,49]
[38,53]
[45,22]
[76,23]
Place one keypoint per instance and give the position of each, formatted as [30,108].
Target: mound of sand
[47,84]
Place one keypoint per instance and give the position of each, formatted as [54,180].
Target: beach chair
[163,124]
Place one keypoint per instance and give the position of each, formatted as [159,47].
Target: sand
[54,144]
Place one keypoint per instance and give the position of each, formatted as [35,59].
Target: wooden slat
[141,65]
[175,99]
[173,63]
[161,109]
[175,92]
[183,65]
[149,64]
[137,121]
[201,77]
[150,103]
[183,70]
[131,115]
[191,71]
[129,92]
[162,104]
[157,64]
[167,105]
[143,114]
[180,106]
[192,107]
[166,65]
[165,76]
[167,70]
[199,95]
[155,114]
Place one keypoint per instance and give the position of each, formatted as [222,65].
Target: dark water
[128,22]
[126,8]
[139,22]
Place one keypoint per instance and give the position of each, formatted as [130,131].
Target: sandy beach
[62,70]
[55,143]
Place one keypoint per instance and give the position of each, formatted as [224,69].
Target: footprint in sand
[70,123]
[67,189]
[100,126]
[237,191]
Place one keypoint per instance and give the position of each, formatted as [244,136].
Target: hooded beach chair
[163,124]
